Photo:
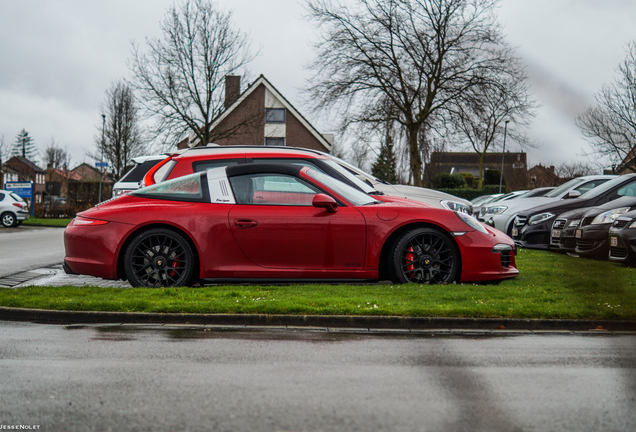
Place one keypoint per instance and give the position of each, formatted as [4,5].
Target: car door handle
[245,223]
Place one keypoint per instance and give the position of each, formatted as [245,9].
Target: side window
[1,196]
[272,189]
[215,163]
[585,187]
[628,190]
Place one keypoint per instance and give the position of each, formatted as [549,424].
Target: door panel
[300,237]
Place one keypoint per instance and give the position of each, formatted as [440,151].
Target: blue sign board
[101,164]
[23,189]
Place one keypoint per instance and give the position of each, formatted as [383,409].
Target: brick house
[261,116]
[26,171]
[628,165]
[57,181]
[515,166]
[541,176]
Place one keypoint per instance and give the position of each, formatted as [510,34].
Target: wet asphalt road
[154,378]
[26,248]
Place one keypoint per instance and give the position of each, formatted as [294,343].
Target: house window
[274,115]
[277,142]
[533,179]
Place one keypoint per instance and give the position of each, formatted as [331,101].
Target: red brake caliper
[410,256]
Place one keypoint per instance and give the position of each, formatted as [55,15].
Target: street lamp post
[503,154]
[99,194]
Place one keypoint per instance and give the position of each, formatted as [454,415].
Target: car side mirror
[573,194]
[326,202]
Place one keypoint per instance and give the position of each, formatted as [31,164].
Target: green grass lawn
[549,286]
[62,222]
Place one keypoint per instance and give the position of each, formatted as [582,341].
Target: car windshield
[597,191]
[557,192]
[187,188]
[350,175]
[352,195]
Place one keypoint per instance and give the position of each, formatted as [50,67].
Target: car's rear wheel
[424,256]
[158,258]
[8,219]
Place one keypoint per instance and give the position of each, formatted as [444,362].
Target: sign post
[23,189]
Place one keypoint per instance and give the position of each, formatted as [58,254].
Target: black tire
[159,258]
[424,256]
[8,219]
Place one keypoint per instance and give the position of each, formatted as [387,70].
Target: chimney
[232,89]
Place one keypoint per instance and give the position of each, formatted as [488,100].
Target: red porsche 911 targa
[266,222]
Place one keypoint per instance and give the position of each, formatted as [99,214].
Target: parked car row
[590,216]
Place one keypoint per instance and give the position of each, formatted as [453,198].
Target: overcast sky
[59,57]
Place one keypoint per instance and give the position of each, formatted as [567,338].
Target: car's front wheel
[8,219]
[159,257]
[424,256]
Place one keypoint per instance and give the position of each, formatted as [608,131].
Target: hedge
[471,194]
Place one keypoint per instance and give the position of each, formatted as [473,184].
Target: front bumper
[533,236]
[592,241]
[622,245]
[490,257]
[562,236]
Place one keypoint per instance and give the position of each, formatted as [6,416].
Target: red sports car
[270,222]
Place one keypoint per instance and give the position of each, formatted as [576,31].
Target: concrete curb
[346,321]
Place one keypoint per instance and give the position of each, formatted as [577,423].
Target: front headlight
[457,206]
[471,222]
[609,216]
[496,210]
[541,217]
[574,223]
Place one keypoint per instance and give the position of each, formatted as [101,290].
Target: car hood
[521,204]
[428,196]
[574,214]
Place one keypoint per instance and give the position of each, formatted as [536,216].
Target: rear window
[137,173]
[187,188]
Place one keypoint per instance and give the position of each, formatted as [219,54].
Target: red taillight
[80,221]
[19,205]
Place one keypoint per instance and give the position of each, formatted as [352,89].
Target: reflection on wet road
[152,378]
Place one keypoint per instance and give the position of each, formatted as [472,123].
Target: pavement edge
[342,321]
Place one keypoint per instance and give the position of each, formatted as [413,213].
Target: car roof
[196,152]
[142,159]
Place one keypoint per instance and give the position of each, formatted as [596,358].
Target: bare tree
[5,150]
[481,116]
[575,169]
[421,55]
[54,156]
[123,138]
[610,126]
[180,79]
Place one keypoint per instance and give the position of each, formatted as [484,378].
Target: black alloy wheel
[425,256]
[159,258]
[8,219]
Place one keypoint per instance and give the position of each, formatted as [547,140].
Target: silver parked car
[132,179]
[13,209]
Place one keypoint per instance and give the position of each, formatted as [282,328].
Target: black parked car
[563,230]
[592,233]
[622,239]
[532,227]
